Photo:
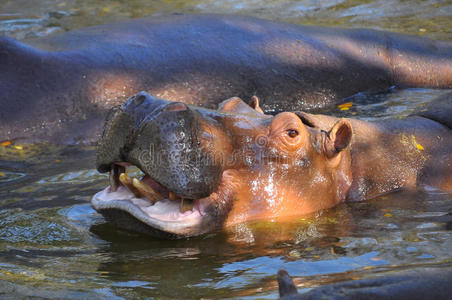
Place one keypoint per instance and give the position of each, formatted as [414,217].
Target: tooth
[114,177]
[147,191]
[186,205]
[127,182]
[172,196]
[113,181]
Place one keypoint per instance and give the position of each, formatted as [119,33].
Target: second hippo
[59,88]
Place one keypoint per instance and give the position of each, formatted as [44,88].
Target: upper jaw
[121,125]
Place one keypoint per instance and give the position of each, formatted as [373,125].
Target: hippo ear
[235,104]
[338,138]
[286,285]
[316,121]
[254,104]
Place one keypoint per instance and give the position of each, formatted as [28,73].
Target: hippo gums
[59,88]
[205,169]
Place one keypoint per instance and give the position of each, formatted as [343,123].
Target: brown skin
[263,167]
[298,172]
[59,88]
[350,160]
[392,154]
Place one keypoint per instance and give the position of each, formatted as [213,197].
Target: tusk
[147,191]
[172,196]
[127,182]
[114,177]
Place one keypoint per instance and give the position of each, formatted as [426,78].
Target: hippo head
[204,169]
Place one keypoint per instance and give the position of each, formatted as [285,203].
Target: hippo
[417,283]
[59,89]
[206,169]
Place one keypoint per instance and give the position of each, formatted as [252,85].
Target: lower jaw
[160,219]
[139,214]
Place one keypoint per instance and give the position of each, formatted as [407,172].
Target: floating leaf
[347,104]
[376,258]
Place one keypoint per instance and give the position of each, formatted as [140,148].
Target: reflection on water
[395,102]
[54,245]
[10,176]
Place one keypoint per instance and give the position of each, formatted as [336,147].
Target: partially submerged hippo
[210,168]
[59,88]
[424,283]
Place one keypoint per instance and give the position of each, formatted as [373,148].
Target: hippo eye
[292,133]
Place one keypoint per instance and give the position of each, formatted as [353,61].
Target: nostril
[139,99]
[176,106]
[104,168]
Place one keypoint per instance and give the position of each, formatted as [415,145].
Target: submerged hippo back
[65,85]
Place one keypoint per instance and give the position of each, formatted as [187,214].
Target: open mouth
[151,203]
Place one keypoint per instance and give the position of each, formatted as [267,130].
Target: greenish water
[54,245]
[26,18]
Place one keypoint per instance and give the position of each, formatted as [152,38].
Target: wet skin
[215,168]
[419,283]
[59,88]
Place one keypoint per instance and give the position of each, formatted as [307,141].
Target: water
[54,245]
[27,19]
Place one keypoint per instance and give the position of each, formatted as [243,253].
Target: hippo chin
[205,169]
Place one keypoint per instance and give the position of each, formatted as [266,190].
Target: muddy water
[54,245]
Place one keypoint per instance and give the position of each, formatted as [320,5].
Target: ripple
[395,103]
[34,228]
[82,176]
[6,176]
